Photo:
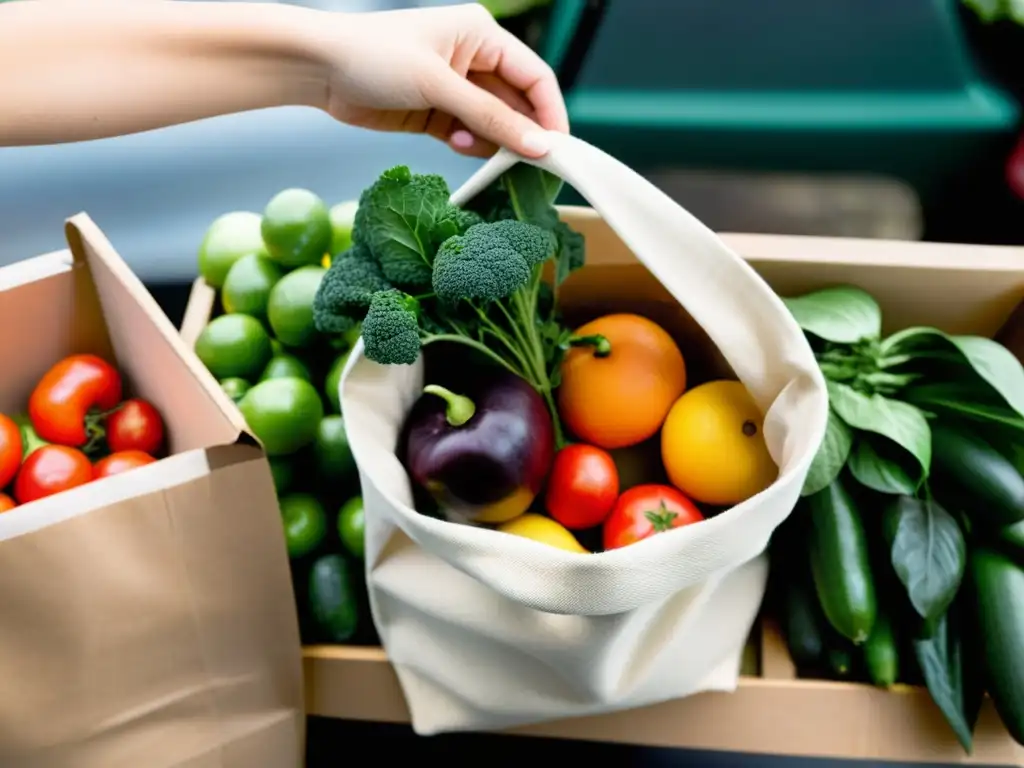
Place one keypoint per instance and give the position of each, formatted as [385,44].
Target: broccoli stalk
[422,271]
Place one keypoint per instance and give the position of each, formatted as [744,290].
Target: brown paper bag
[146,619]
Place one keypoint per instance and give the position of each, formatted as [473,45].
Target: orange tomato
[6,503]
[713,447]
[620,398]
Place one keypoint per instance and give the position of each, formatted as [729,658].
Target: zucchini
[840,562]
[881,652]
[992,480]
[999,592]
[333,601]
[804,624]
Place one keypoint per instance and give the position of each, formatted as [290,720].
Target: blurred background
[870,118]
[867,118]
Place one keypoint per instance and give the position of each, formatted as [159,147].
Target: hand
[451,72]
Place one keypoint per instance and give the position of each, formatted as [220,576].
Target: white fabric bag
[487,630]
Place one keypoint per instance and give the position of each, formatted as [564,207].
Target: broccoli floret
[398,219]
[491,261]
[391,330]
[345,292]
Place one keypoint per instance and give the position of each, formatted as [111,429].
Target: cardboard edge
[80,230]
[198,311]
[356,683]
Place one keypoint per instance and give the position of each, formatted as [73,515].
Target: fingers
[517,64]
[485,115]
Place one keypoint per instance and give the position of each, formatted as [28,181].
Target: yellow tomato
[542,529]
[713,447]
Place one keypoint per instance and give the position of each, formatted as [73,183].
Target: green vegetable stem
[421,270]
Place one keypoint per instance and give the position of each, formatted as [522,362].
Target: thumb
[486,115]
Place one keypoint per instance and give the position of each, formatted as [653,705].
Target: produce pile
[519,432]
[268,356]
[905,560]
[584,440]
[76,428]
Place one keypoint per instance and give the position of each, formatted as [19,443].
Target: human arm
[72,71]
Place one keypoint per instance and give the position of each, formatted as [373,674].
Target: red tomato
[6,503]
[49,470]
[67,403]
[135,426]
[582,487]
[11,448]
[116,463]
[646,510]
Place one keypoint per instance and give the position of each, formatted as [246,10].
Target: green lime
[235,387]
[343,217]
[296,228]
[352,526]
[234,346]
[332,383]
[332,454]
[277,348]
[228,238]
[305,523]
[283,470]
[247,286]
[290,309]
[284,414]
[286,366]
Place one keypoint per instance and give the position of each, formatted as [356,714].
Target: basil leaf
[928,553]
[874,463]
[901,422]
[967,400]
[831,456]
[941,662]
[842,314]
[988,359]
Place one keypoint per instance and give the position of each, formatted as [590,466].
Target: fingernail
[462,139]
[536,142]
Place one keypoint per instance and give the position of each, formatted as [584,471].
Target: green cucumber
[841,563]
[881,652]
[333,601]
[993,482]
[803,624]
[999,591]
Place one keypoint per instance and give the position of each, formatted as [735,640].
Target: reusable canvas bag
[487,630]
[146,619]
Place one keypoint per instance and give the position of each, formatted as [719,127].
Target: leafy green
[878,463]
[843,314]
[901,422]
[996,10]
[988,359]
[928,553]
[940,657]
[831,456]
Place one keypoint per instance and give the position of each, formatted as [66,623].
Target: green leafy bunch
[883,391]
[889,397]
[422,270]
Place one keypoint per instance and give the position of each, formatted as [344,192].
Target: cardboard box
[147,614]
[958,288]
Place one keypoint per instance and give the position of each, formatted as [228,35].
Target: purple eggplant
[483,455]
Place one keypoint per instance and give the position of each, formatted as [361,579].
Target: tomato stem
[602,347]
[661,519]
